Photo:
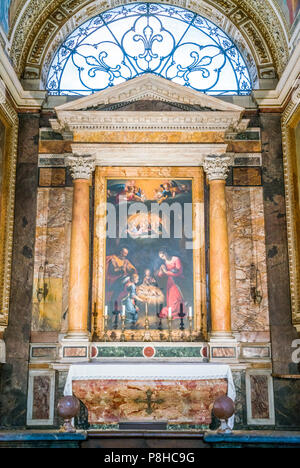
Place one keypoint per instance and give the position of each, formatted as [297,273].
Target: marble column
[216,168]
[81,168]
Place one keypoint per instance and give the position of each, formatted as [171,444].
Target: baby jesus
[149,280]
[149,289]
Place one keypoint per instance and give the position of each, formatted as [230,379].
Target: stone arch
[256,27]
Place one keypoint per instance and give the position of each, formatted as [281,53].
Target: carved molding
[217,167]
[81,167]
[291,113]
[42,26]
[148,155]
[10,119]
[149,121]
[79,115]
[149,87]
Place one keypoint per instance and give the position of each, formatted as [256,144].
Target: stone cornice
[148,121]
[148,155]
[149,87]
[80,116]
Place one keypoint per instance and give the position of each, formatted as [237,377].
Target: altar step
[190,440]
[129,439]
[158,440]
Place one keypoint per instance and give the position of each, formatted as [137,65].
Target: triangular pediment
[145,88]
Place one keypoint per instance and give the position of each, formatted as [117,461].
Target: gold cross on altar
[149,401]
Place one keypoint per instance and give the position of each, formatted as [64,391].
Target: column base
[222,336]
[223,347]
[77,336]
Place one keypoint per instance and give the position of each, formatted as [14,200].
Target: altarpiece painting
[149,253]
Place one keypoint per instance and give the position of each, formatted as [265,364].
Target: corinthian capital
[217,166]
[81,167]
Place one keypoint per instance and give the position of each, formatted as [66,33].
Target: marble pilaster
[81,168]
[216,168]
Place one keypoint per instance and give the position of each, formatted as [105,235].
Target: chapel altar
[143,256]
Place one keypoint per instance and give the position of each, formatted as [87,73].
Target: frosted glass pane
[130,40]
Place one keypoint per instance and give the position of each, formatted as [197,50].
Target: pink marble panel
[110,401]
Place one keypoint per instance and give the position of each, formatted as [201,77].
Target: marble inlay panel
[40,403]
[43,352]
[149,137]
[49,248]
[71,352]
[247,259]
[46,160]
[50,292]
[41,397]
[110,401]
[223,352]
[49,177]
[51,209]
[246,176]
[55,147]
[259,396]
[244,146]
[256,352]
[160,352]
[254,337]
[247,160]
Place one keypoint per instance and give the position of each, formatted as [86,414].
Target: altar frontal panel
[177,402]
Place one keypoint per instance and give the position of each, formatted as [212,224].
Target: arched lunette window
[135,39]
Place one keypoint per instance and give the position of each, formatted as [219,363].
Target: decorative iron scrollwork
[131,40]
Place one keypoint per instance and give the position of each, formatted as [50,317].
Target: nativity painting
[149,256]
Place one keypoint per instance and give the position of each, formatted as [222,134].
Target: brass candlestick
[191,328]
[181,326]
[105,328]
[147,335]
[170,329]
[123,328]
[95,325]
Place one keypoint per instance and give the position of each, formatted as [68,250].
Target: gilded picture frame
[290,121]
[102,176]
